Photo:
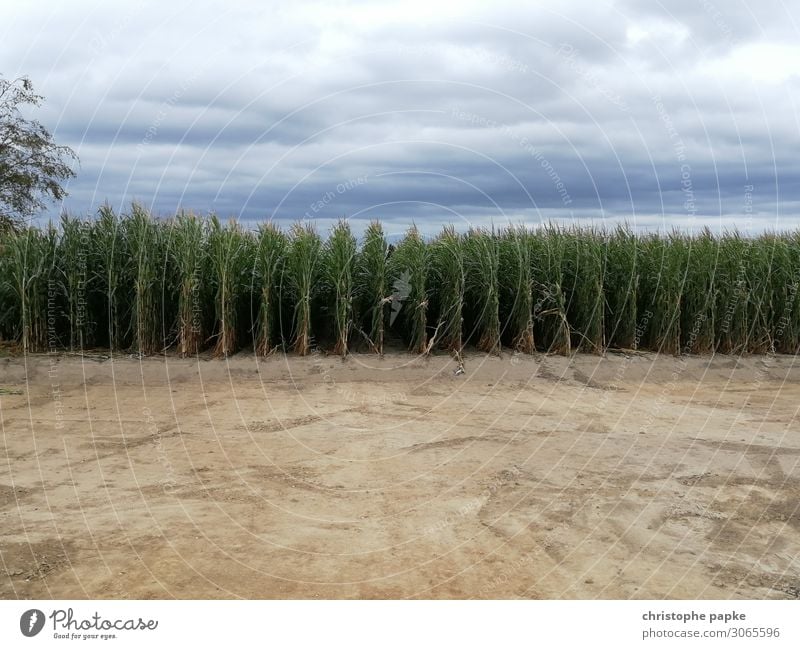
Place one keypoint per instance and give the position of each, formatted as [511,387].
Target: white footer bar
[390,624]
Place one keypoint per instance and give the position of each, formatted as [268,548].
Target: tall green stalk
[785,278]
[372,284]
[228,254]
[483,286]
[188,251]
[447,271]
[664,278]
[302,274]
[31,282]
[759,268]
[550,309]
[517,285]
[145,239]
[409,268]
[268,273]
[111,266]
[584,268]
[731,305]
[73,270]
[339,268]
[620,287]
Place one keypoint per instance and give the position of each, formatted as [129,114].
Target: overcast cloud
[660,114]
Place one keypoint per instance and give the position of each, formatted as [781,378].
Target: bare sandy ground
[542,477]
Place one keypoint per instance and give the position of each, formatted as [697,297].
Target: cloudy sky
[680,113]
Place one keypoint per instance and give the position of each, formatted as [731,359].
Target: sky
[658,114]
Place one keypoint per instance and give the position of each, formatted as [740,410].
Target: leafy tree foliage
[33,167]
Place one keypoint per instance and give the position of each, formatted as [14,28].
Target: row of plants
[144,285]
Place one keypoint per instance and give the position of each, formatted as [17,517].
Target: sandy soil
[619,477]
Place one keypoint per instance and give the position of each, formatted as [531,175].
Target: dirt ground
[629,476]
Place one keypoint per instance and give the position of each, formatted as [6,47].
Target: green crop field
[143,285]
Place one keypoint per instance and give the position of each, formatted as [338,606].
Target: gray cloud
[657,114]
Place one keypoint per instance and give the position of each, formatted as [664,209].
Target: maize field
[188,285]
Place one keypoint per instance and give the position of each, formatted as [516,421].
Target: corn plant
[339,258]
[9,309]
[30,282]
[699,294]
[620,287]
[268,271]
[483,286]
[145,240]
[516,283]
[758,273]
[583,269]
[447,271]
[229,262]
[372,284]
[731,306]
[409,268]
[73,278]
[111,265]
[550,310]
[302,275]
[663,281]
[189,259]
[785,279]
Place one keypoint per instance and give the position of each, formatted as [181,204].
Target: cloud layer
[681,114]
